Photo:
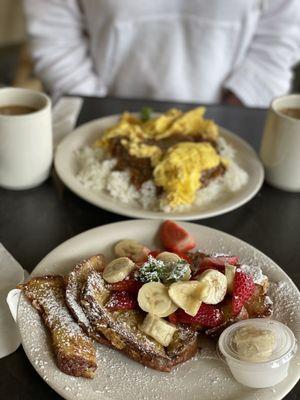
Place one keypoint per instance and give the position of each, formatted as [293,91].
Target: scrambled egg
[183,124]
[156,128]
[131,131]
[172,122]
[142,150]
[177,170]
[180,170]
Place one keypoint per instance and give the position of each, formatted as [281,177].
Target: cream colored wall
[12,27]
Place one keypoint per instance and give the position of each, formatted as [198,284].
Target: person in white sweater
[187,50]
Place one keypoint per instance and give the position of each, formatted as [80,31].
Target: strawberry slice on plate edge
[175,238]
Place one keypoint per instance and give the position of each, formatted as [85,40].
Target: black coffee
[16,110]
[291,112]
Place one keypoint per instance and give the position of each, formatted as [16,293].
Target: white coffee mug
[25,139]
[280,147]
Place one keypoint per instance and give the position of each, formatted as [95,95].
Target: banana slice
[187,275]
[118,269]
[159,329]
[168,257]
[188,295]
[216,283]
[153,297]
[229,273]
[132,249]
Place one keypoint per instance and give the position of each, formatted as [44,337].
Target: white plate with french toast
[116,376]
[232,176]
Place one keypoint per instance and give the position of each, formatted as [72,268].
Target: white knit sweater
[187,50]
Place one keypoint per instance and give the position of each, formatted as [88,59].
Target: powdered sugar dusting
[255,271]
[47,295]
[286,306]
[78,311]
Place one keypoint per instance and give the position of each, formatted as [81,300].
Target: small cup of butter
[258,351]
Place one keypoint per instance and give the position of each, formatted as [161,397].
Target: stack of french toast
[149,304]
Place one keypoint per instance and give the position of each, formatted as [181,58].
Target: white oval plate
[66,167]
[117,378]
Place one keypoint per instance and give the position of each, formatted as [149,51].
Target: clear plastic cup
[259,374]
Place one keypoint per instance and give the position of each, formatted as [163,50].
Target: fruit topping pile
[176,286]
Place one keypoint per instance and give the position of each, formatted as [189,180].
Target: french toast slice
[260,304]
[121,328]
[74,283]
[74,351]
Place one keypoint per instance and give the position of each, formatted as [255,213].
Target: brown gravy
[291,112]
[16,110]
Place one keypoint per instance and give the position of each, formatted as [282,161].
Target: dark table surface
[34,222]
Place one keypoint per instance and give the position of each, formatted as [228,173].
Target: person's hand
[230,98]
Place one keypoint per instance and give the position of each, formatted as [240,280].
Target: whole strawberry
[243,289]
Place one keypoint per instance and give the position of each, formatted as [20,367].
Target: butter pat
[254,344]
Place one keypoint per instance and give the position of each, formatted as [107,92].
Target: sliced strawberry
[218,262]
[175,238]
[173,318]
[122,301]
[204,262]
[243,289]
[228,318]
[208,316]
[128,285]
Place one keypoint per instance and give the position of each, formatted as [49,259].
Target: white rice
[119,186]
[93,170]
[96,173]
